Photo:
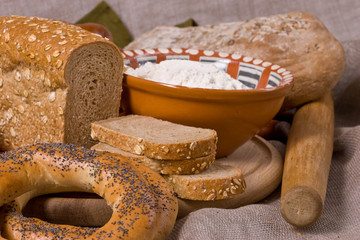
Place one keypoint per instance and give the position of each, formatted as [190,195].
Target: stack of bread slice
[184,155]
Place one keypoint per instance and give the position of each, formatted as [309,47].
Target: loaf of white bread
[55,79]
[185,155]
[297,41]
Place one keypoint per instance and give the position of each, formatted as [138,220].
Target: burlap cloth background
[340,218]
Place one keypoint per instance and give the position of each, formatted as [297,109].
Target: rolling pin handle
[302,206]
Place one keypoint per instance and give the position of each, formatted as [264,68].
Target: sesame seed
[192,146]
[7,37]
[63,42]
[27,73]
[32,38]
[48,58]
[18,47]
[236,181]
[58,63]
[47,82]
[60,111]
[165,149]
[139,149]
[17,76]
[12,132]
[225,194]
[211,196]
[42,75]
[56,53]
[203,166]
[7,142]
[21,109]
[47,47]
[44,119]
[58,31]
[52,97]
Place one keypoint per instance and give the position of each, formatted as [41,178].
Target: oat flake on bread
[187,73]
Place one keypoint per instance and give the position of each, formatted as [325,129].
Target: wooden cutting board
[262,166]
[260,162]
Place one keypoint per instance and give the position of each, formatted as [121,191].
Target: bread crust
[297,41]
[185,166]
[50,71]
[143,204]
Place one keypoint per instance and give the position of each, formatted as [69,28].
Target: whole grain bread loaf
[55,79]
[185,166]
[297,41]
[155,138]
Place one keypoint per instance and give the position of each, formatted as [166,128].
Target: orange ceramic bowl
[236,115]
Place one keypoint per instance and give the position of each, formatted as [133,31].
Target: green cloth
[103,14]
[188,23]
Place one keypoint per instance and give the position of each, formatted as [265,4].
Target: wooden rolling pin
[307,162]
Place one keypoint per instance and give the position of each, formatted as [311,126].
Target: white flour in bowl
[186,73]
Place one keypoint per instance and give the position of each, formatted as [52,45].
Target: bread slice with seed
[219,181]
[186,166]
[55,79]
[155,138]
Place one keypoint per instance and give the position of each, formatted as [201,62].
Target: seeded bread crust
[55,79]
[219,181]
[155,138]
[186,166]
[297,41]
